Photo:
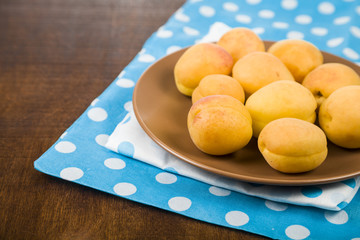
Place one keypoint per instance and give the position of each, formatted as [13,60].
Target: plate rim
[223,173]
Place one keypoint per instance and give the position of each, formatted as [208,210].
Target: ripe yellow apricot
[219,124]
[199,61]
[292,145]
[218,84]
[339,117]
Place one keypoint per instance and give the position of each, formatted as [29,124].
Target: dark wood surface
[56,56]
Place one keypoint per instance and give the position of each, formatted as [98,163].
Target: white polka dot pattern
[101,139]
[303,19]
[219,191]
[279,207]
[163,33]
[71,173]
[236,218]
[191,31]
[289,4]
[146,58]
[114,163]
[180,16]
[125,83]
[65,147]
[125,189]
[207,11]
[280,25]
[230,6]
[319,31]
[97,114]
[166,178]
[268,14]
[337,218]
[179,204]
[297,232]
[326,8]
[242,18]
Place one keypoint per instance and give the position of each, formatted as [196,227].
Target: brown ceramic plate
[162,112]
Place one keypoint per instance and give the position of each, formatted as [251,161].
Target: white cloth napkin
[129,139]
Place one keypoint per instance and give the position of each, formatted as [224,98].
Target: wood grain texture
[56,56]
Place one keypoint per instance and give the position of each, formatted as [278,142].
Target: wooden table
[56,56]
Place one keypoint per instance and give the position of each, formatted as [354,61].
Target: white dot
[125,83]
[236,218]
[65,147]
[163,33]
[303,19]
[319,31]
[334,42]
[180,16]
[102,139]
[207,11]
[142,51]
[114,163]
[258,30]
[242,18]
[338,218]
[166,178]
[190,31]
[275,206]
[179,203]
[289,4]
[125,189]
[350,53]
[266,14]
[63,135]
[172,49]
[326,8]
[128,106]
[97,114]
[280,25]
[230,6]
[122,73]
[147,58]
[71,173]
[253,2]
[297,232]
[219,191]
[94,102]
[337,197]
[295,35]
[355,31]
[342,20]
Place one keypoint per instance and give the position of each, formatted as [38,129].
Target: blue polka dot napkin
[129,139]
[87,153]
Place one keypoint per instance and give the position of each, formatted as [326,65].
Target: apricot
[326,78]
[241,41]
[257,69]
[218,84]
[339,117]
[299,56]
[292,145]
[199,61]
[280,99]
[219,124]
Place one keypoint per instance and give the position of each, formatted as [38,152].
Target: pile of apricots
[241,90]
